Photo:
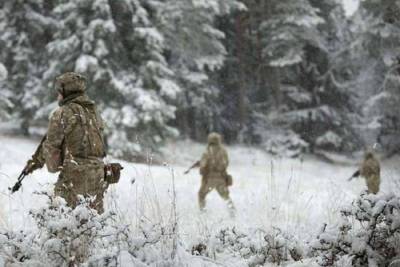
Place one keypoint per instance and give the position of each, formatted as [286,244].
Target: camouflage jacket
[214,160]
[75,134]
[370,168]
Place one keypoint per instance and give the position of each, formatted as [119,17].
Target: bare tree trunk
[273,78]
[183,121]
[122,14]
[242,105]
[272,74]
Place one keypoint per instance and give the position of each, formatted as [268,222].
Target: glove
[31,166]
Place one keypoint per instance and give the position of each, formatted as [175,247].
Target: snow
[3,72]
[350,6]
[298,196]
[329,138]
[86,63]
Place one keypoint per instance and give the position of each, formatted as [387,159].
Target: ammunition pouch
[32,165]
[112,172]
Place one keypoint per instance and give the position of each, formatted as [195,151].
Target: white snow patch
[296,195]
[3,72]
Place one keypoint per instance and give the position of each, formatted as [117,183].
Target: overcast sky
[350,6]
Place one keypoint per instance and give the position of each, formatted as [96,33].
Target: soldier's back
[370,167]
[83,167]
[83,130]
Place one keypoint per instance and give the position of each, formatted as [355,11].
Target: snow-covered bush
[288,144]
[64,237]
[329,140]
[3,72]
[369,234]
[81,237]
[256,246]
[276,137]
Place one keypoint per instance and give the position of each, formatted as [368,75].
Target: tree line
[290,76]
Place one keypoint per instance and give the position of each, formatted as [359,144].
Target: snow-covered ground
[296,195]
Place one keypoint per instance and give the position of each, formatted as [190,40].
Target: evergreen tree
[327,75]
[127,72]
[378,29]
[5,94]
[26,28]
[195,50]
[288,27]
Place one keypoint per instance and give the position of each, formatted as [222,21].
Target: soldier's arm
[102,126]
[52,147]
[39,157]
[37,161]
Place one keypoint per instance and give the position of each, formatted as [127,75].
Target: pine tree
[310,43]
[327,75]
[195,50]
[26,28]
[264,43]
[288,28]
[5,95]
[127,72]
[378,30]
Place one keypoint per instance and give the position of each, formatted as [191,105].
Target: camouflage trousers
[373,183]
[210,183]
[86,179]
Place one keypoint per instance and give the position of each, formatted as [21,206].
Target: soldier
[213,165]
[370,169]
[74,144]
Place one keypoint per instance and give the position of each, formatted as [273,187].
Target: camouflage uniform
[370,170]
[213,165]
[74,144]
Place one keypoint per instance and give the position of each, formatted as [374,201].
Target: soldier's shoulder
[56,113]
[61,112]
[67,109]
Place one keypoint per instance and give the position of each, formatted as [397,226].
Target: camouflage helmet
[214,139]
[70,83]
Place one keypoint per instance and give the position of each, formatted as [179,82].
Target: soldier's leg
[373,184]
[63,188]
[93,187]
[204,190]
[223,191]
[89,184]
[98,193]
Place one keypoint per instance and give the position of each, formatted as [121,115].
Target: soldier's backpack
[83,137]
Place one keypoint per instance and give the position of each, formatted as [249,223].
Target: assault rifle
[195,165]
[31,165]
[355,175]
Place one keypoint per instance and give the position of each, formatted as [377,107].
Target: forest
[290,76]
[298,89]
